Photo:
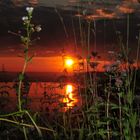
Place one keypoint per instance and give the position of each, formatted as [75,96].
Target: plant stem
[107,109]
[120,117]
[19,87]
[37,128]
[24,131]
[11,114]
[127,41]
[137,58]
[26,125]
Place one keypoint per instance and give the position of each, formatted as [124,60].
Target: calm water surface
[40,96]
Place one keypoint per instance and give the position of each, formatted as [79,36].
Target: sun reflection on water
[44,97]
[69,99]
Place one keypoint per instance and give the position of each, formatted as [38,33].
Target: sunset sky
[60,24]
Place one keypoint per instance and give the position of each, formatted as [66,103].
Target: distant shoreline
[50,76]
[42,76]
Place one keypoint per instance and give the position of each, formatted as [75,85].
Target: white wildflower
[84,12]
[25,18]
[38,28]
[29,9]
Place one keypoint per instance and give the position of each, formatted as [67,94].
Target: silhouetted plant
[22,114]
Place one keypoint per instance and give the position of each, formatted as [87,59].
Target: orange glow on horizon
[106,14]
[52,64]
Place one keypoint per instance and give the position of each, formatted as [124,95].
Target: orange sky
[39,64]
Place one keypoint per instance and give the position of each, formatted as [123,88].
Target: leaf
[133,120]
[81,132]
[114,106]
[130,97]
[125,108]
[35,116]
[88,59]
[26,50]
[94,54]
[121,94]
[21,77]
[115,133]
[126,130]
[24,39]
[99,123]
[102,133]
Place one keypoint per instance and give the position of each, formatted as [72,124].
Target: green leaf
[35,116]
[99,123]
[114,106]
[115,133]
[133,120]
[102,133]
[26,50]
[21,77]
[121,94]
[24,39]
[88,59]
[130,97]
[126,130]
[81,132]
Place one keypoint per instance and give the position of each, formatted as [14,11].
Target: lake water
[40,96]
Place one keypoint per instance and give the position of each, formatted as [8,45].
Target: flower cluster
[29,10]
[29,27]
[27,20]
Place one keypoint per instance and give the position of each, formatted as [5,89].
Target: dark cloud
[102,9]
[95,8]
[54,22]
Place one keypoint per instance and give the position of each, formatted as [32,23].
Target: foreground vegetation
[108,111]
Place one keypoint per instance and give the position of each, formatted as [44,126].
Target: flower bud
[38,28]
[29,9]
[25,18]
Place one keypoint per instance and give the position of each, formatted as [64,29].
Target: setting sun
[69,62]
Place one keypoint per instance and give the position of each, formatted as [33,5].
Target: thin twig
[25,124]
